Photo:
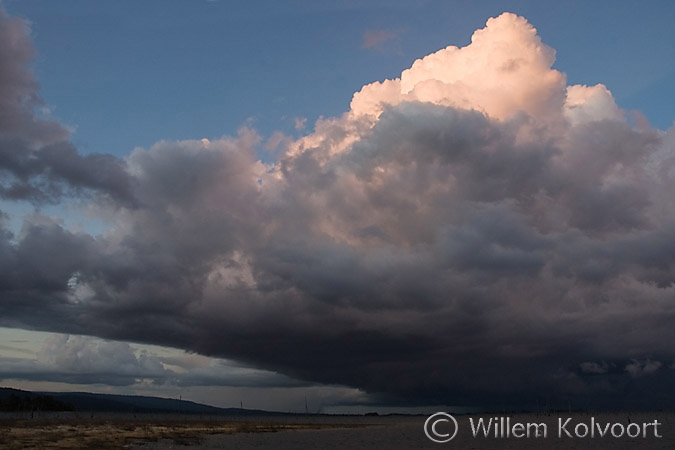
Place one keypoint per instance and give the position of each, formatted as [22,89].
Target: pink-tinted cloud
[376,38]
[505,69]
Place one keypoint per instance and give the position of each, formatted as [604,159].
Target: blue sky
[270,201]
[127,74]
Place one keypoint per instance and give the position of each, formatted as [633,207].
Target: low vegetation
[75,434]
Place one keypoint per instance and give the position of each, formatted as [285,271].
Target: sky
[350,205]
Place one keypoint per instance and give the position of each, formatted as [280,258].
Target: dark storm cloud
[37,163]
[421,251]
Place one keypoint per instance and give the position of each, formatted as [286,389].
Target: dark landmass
[15,400]
[19,400]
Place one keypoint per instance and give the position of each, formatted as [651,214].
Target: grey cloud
[82,355]
[37,162]
[86,360]
[18,90]
[467,299]
[441,257]
[639,368]
[222,374]
[594,367]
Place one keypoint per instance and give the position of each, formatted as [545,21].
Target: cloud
[85,356]
[37,162]
[474,232]
[376,38]
[594,367]
[639,368]
[300,123]
[486,75]
[85,360]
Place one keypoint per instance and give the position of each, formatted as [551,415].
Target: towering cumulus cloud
[473,232]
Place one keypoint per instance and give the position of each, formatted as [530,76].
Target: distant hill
[14,400]
[87,402]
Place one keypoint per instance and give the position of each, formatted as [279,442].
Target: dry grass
[116,434]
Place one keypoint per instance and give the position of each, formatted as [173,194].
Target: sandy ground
[118,432]
[400,433]
[328,432]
